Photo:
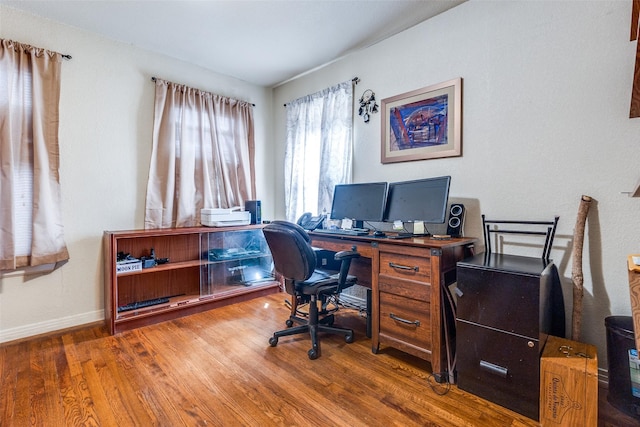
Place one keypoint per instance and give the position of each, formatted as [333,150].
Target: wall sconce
[368,105]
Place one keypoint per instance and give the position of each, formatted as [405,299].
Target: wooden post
[576,271]
[634,293]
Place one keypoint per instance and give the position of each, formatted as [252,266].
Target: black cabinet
[507,305]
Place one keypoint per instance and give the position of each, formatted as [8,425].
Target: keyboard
[141,304]
[340,231]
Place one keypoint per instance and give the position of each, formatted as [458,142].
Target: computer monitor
[420,200]
[359,202]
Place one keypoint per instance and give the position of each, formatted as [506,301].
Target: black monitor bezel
[383,206]
[442,214]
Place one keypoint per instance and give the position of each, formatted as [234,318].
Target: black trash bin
[624,367]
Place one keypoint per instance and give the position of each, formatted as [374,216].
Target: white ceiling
[262,42]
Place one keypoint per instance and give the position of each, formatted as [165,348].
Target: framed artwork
[423,124]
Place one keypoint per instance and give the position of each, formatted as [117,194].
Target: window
[203,155]
[30,230]
[319,149]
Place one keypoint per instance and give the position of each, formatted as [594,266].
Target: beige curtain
[203,155]
[29,97]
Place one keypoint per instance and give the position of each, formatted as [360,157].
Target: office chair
[295,260]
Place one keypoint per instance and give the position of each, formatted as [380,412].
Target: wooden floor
[217,369]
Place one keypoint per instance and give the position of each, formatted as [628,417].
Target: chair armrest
[345,258]
[353,253]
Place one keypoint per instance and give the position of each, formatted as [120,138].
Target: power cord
[439,388]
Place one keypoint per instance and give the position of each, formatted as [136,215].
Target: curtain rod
[354,80]
[67,57]
[154,79]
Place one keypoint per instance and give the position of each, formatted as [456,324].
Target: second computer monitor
[420,200]
[360,202]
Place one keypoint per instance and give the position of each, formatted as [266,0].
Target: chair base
[313,326]
[325,315]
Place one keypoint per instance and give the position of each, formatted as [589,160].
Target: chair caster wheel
[313,354]
[273,341]
[348,338]
[289,323]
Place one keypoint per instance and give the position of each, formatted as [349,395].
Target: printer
[222,217]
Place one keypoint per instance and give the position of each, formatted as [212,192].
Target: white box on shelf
[224,217]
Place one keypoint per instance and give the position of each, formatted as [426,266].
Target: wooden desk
[407,278]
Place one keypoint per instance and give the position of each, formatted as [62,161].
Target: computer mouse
[379,233]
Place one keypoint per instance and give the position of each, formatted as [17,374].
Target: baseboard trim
[34,329]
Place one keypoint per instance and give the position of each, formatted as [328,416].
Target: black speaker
[255,207]
[456,220]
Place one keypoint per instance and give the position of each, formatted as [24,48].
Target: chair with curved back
[294,258]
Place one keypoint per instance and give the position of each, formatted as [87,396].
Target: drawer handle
[400,319]
[493,369]
[403,267]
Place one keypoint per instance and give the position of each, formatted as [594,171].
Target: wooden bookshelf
[206,268]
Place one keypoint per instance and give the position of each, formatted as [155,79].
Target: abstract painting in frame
[423,124]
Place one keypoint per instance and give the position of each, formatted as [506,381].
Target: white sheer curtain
[203,155]
[319,149]
[31,231]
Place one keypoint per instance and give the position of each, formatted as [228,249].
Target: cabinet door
[233,260]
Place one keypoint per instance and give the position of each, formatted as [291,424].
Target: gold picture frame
[423,124]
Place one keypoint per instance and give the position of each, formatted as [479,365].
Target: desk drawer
[415,291]
[337,245]
[405,266]
[405,320]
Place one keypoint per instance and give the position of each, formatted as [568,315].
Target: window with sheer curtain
[319,149]
[31,232]
[202,156]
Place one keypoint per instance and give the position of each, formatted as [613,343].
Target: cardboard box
[568,384]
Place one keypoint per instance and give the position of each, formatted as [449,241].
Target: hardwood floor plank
[11,366]
[152,398]
[301,373]
[22,405]
[249,384]
[100,380]
[50,351]
[216,368]
[80,409]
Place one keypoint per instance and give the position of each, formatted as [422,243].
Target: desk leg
[438,356]
[375,303]
[368,313]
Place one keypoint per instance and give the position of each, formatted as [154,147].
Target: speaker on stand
[456,220]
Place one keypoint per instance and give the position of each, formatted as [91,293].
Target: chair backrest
[291,250]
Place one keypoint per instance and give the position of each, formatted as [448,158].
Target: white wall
[547,87]
[106,119]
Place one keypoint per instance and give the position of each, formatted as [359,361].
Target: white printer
[224,217]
